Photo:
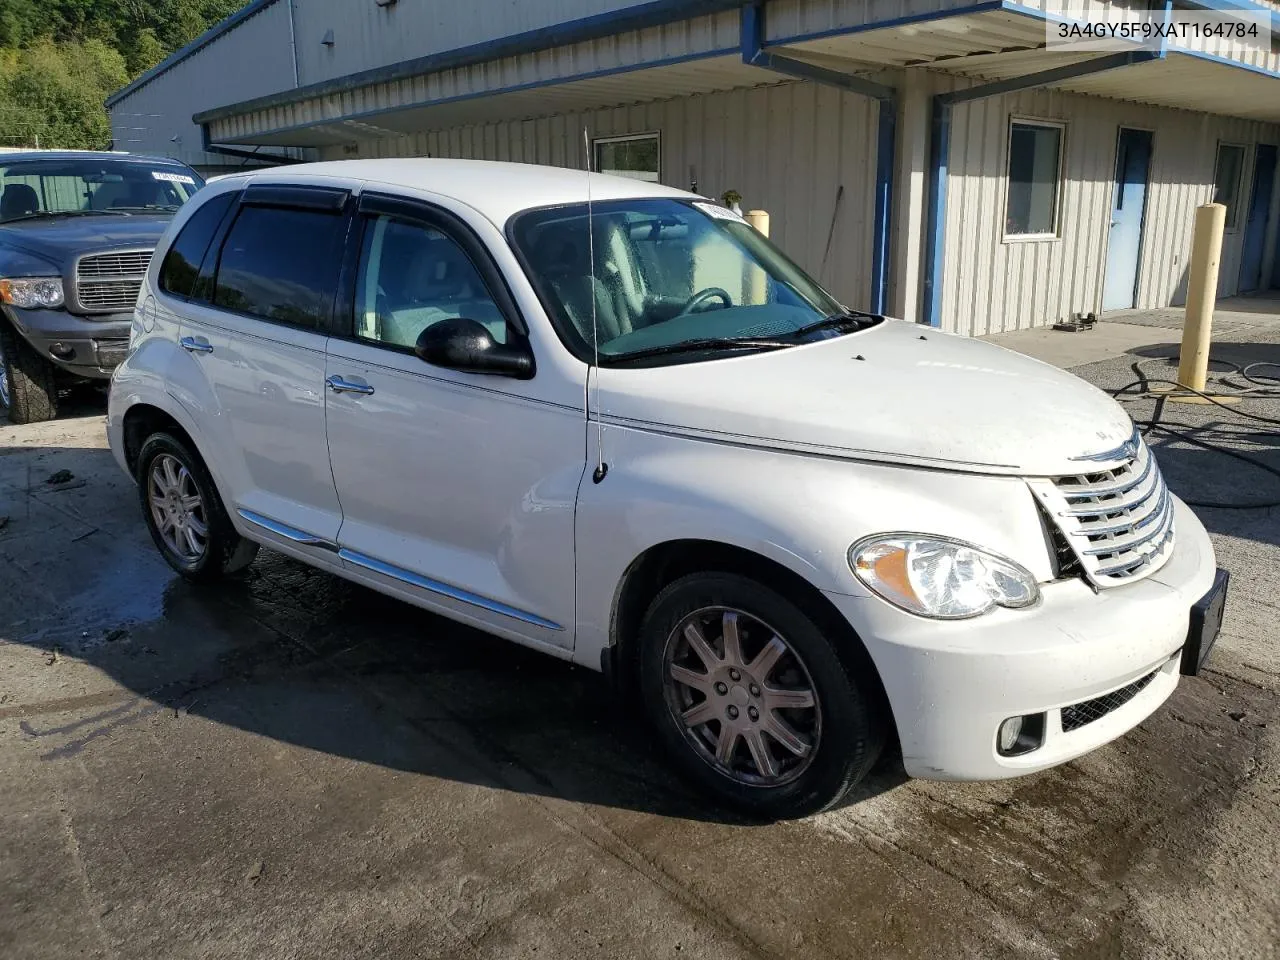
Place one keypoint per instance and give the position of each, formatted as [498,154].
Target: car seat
[18,200]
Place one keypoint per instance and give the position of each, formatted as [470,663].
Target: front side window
[1226,180]
[1035,158]
[281,264]
[665,272]
[412,276]
[639,158]
[181,267]
[33,189]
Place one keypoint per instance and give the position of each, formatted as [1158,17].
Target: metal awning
[993,41]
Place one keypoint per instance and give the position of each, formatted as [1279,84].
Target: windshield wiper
[49,214]
[843,318]
[693,346]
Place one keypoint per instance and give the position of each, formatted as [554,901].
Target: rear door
[457,489]
[258,338]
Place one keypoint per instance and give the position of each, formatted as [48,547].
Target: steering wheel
[702,296]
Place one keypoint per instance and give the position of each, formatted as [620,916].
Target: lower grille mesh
[1079,714]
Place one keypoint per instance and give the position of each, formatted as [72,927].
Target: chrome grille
[111,281]
[132,263]
[1079,714]
[1118,521]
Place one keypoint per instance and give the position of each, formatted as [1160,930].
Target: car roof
[496,189]
[8,156]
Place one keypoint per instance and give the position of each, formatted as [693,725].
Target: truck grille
[1118,521]
[111,281]
[1079,714]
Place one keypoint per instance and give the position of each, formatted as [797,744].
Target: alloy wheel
[177,508]
[742,696]
[4,380]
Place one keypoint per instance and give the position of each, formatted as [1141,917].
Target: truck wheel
[184,513]
[752,699]
[28,386]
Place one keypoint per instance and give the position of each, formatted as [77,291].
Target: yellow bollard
[759,219]
[1202,292]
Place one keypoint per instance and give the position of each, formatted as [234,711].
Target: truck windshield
[30,189]
[667,273]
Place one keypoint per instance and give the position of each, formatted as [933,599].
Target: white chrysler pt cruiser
[611,421]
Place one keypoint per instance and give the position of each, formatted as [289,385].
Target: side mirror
[462,344]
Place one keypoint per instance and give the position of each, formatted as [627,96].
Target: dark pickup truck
[77,230]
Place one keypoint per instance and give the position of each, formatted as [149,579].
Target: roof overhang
[988,41]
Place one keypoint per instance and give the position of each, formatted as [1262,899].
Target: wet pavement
[293,766]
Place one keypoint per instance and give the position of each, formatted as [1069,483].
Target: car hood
[63,237]
[895,392]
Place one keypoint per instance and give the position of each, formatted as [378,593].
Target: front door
[457,489]
[1124,247]
[1255,230]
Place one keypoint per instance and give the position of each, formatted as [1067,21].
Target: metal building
[936,159]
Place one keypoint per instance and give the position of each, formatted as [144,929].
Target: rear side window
[181,267]
[281,264]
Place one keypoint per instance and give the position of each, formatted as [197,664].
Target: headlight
[940,578]
[32,293]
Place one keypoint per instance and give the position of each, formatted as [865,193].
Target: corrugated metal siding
[786,148]
[990,285]
[366,35]
[249,61]
[688,38]
[801,18]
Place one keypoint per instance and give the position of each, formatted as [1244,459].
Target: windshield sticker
[719,212]
[173,177]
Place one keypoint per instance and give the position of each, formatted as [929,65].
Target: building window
[638,157]
[1035,166]
[1226,180]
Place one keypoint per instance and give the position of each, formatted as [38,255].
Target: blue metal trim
[652,14]
[940,147]
[755,54]
[886,147]
[1214,58]
[199,43]
[293,534]
[444,589]
[519,88]
[935,227]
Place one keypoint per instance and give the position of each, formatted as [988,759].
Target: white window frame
[626,138]
[1234,205]
[1056,233]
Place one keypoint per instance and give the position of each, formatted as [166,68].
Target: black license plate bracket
[1206,624]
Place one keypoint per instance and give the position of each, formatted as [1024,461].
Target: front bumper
[89,347]
[952,683]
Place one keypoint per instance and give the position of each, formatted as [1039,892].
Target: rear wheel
[28,382]
[752,699]
[184,513]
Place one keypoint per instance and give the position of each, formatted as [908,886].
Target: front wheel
[28,382]
[752,699]
[184,513]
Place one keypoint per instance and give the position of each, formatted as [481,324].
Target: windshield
[667,272]
[31,189]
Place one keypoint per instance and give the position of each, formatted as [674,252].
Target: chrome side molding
[300,537]
[444,589]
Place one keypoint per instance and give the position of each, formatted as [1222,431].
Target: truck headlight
[32,293]
[938,577]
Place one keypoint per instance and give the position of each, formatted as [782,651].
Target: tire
[167,465]
[844,729]
[28,378]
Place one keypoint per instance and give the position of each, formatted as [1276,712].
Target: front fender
[800,511]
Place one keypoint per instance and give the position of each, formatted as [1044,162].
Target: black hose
[1259,390]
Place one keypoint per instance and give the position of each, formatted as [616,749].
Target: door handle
[339,385]
[192,345]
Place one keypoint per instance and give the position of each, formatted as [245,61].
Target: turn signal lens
[938,577]
[32,293]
